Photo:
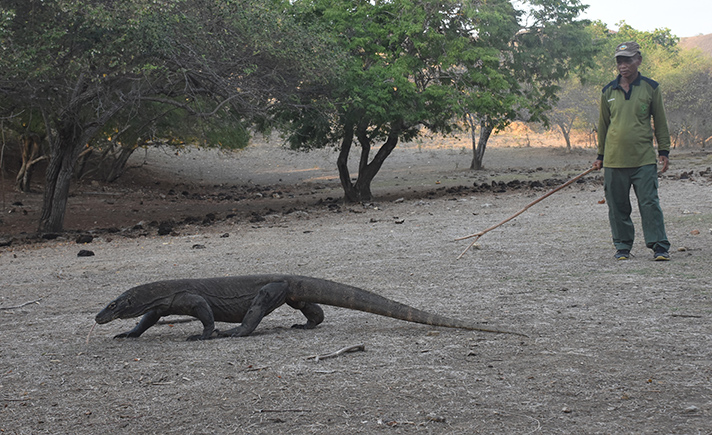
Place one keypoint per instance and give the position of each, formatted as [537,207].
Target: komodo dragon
[247,299]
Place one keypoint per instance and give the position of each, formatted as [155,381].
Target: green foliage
[399,71]
[659,48]
[688,91]
[92,67]
[204,56]
[545,45]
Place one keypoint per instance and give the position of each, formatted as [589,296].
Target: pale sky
[683,17]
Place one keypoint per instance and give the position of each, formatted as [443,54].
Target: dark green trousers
[644,180]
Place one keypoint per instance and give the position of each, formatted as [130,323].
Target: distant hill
[703,42]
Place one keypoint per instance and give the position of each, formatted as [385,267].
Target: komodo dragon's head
[126,306]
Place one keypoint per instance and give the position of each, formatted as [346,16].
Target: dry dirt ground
[612,347]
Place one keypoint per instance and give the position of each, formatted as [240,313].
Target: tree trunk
[82,161]
[342,164]
[479,147]
[67,140]
[65,148]
[360,191]
[31,155]
[566,132]
[118,165]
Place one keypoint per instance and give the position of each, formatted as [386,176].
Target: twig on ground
[7,399]
[37,301]
[349,349]
[551,192]
[261,411]
[90,331]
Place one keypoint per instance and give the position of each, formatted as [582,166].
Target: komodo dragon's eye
[112,305]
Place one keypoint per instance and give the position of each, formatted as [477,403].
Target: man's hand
[597,164]
[663,160]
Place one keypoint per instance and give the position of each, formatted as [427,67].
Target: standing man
[626,151]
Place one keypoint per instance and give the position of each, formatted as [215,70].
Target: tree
[415,64]
[688,90]
[89,65]
[407,60]
[548,46]
[576,105]
[156,126]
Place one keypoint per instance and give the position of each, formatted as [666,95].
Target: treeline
[85,83]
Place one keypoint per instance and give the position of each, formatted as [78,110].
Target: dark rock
[191,220]
[85,253]
[165,228]
[85,238]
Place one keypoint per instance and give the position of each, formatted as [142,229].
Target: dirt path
[614,347]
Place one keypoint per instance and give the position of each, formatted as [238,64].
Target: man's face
[628,66]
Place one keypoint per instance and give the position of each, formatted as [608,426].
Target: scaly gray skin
[247,299]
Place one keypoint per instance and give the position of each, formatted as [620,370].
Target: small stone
[85,253]
[165,228]
[84,238]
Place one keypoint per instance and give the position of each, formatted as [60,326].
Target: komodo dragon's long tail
[332,293]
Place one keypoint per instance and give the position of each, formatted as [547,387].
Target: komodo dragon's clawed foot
[234,332]
[200,337]
[308,325]
[125,335]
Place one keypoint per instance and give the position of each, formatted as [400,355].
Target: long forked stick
[551,192]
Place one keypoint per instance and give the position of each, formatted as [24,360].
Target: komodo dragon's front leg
[149,319]
[183,303]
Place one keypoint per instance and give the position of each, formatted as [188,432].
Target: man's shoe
[622,254]
[661,255]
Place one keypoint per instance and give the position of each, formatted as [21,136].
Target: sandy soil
[613,347]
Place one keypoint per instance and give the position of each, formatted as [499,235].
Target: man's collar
[636,82]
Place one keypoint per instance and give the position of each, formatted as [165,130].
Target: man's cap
[628,49]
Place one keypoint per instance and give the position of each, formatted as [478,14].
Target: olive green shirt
[625,134]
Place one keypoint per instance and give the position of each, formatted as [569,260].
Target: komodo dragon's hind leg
[313,313]
[267,300]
